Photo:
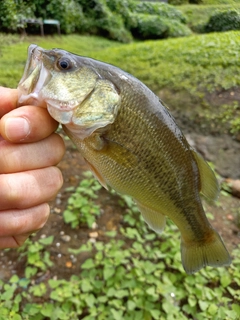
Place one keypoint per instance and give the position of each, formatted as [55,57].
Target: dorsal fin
[209,183]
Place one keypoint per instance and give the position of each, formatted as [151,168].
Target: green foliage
[161,9]
[81,208]
[113,19]
[217,2]
[143,280]
[68,12]
[223,21]
[157,20]
[8,15]
[199,15]
[37,258]
[148,26]
[230,115]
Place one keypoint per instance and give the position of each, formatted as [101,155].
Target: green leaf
[88,264]
[108,272]
[111,234]
[131,305]
[86,285]
[16,317]
[167,307]
[155,314]
[54,283]
[151,291]
[203,305]
[90,300]
[121,293]
[32,309]
[192,300]
[68,216]
[117,314]
[212,309]
[225,280]
[7,295]
[236,308]
[47,241]
[47,310]
[14,279]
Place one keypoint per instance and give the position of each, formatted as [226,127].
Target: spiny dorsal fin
[209,184]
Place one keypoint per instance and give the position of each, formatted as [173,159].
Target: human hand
[29,151]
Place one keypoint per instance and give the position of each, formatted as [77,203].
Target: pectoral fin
[120,154]
[209,184]
[97,175]
[154,219]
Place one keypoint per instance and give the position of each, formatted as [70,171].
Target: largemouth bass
[131,143]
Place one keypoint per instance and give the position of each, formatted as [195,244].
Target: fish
[131,143]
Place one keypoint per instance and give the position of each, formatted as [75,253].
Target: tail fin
[197,255]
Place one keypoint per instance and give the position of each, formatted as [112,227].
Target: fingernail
[17,129]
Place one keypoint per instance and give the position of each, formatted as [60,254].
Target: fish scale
[131,143]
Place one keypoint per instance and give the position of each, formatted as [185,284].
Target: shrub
[149,27]
[177,29]
[68,12]
[178,2]
[161,9]
[146,26]
[106,18]
[223,21]
[8,16]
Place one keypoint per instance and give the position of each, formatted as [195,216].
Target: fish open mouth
[34,78]
[37,76]
[74,94]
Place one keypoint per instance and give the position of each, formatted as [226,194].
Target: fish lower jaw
[63,116]
[32,98]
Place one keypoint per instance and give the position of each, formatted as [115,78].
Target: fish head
[73,91]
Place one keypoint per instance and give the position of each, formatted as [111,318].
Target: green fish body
[131,143]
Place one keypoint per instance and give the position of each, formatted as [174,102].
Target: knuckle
[59,148]
[58,178]
[44,214]
[9,191]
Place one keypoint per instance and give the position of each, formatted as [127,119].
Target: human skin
[29,178]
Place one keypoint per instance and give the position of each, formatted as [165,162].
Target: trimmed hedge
[223,21]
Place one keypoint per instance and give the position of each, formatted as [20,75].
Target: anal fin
[154,219]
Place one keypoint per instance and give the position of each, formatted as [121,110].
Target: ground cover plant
[134,274]
[115,267]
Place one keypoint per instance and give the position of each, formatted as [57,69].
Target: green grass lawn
[191,69]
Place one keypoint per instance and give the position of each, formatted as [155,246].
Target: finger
[17,225]
[24,157]
[27,124]
[8,100]
[27,189]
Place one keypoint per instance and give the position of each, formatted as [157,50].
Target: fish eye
[64,64]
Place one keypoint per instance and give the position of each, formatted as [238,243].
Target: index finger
[8,100]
